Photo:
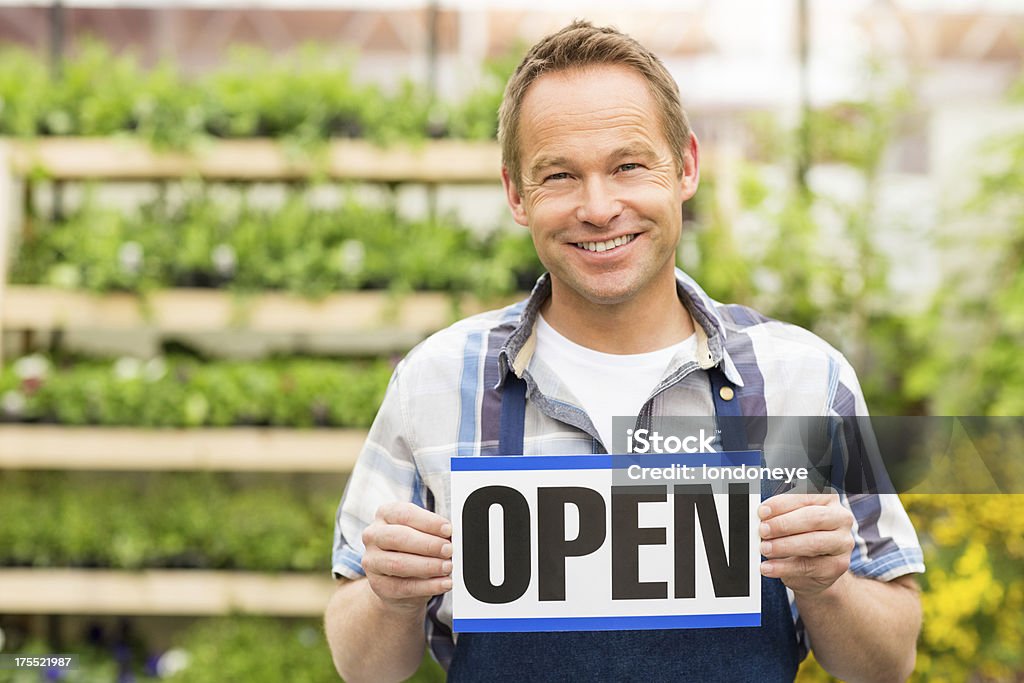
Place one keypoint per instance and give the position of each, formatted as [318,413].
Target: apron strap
[727,405]
[513,416]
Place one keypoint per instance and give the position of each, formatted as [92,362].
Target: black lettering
[627,537]
[476,543]
[729,576]
[552,546]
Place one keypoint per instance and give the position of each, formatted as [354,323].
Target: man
[597,162]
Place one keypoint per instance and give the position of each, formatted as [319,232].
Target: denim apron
[764,654]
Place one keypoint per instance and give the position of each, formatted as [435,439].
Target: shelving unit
[162,592]
[431,163]
[376,322]
[370,322]
[390,323]
[45,447]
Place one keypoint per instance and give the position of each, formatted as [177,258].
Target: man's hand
[806,540]
[408,555]
[375,626]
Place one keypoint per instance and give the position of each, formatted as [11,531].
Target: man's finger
[386,563]
[807,572]
[406,539]
[396,588]
[810,544]
[782,503]
[409,514]
[806,519]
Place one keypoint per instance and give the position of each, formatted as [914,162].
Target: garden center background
[223,222]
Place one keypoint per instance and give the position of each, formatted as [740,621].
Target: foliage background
[910,363]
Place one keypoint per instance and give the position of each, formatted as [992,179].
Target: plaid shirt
[444,399]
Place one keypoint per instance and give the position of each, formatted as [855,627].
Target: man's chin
[601,295]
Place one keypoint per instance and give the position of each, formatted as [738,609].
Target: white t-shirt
[606,384]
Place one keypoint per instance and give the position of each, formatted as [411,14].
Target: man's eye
[558,176]
[632,166]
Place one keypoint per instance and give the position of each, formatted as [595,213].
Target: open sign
[600,542]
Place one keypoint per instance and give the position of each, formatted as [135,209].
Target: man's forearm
[368,640]
[864,630]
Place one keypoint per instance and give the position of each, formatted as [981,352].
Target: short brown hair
[579,45]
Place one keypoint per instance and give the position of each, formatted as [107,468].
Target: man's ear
[515,200]
[690,177]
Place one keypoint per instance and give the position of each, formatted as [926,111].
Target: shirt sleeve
[885,543]
[384,472]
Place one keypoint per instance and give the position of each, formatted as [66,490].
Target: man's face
[600,190]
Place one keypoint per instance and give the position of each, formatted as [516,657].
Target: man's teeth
[606,245]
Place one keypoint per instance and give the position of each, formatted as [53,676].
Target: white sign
[604,542]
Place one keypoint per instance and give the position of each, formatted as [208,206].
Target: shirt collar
[518,349]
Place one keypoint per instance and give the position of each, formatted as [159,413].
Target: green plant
[814,260]
[978,312]
[296,247]
[303,97]
[95,93]
[187,520]
[182,392]
[255,650]
[476,116]
[236,648]
[24,83]
[962,356]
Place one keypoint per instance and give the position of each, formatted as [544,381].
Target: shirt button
[726,393]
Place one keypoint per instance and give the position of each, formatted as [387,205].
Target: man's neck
[654,321]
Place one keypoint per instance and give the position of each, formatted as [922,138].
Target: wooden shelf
[376,319]
[406,317]
[162,592]
[236,449]
[432,162]
[360,322]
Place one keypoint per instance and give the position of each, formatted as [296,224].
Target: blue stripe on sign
[603,462]
[532,462]
[638,623]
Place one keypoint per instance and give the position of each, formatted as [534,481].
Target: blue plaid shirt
[444,399]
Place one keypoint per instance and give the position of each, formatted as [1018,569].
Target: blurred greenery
[95,665]
[250,649]
[961,355]
[974,587]
[303,97]
[221,650]
[815,261]
[185,392]
[189,520]
[207,242]
[980,304]
[972,593]
[476,116]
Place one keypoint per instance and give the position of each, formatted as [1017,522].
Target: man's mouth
[607,245]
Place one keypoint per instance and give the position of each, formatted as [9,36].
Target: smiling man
[600,188]
[598,160]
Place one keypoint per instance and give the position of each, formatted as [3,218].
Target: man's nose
[598,204]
